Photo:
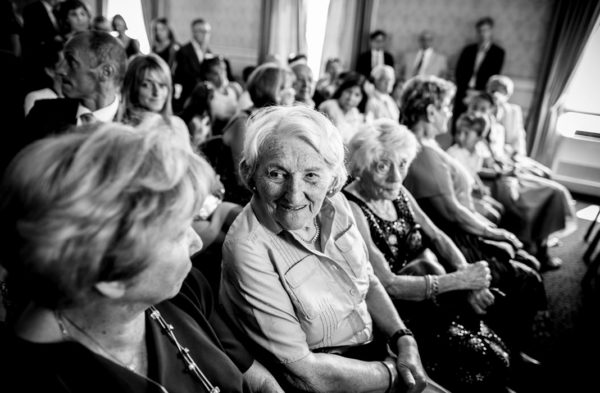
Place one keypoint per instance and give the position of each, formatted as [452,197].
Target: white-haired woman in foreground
[296,275]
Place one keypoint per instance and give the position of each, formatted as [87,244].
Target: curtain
[347,31]
[284,29]
[571,24]
[151,12]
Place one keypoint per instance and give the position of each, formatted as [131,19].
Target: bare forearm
[259,379]
[448,250]
[332,373]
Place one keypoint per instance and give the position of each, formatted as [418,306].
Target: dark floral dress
[458,350]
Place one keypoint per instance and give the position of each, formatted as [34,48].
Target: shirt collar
[106,114]
[327,213]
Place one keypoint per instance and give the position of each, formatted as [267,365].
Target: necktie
[87,118]
[419,63]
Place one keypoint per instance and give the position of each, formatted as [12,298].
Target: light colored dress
[381,105]
[348,123]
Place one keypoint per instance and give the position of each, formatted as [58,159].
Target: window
[581,115]
[316,20]
[131,11]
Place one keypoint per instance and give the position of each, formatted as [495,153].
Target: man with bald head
[425,60]
[91,75]
[304,84]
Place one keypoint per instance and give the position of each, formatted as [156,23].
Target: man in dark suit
[189,59]
[40,29]
[91,76]
[377,55]
[476,64]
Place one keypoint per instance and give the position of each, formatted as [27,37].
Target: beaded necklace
[167,329]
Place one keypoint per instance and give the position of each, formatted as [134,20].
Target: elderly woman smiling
[296,277]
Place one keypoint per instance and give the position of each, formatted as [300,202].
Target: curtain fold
[150,11]
[283,29]
[347,31]
[571,24]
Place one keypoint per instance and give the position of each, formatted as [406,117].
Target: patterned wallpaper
[235,26]
[520,27]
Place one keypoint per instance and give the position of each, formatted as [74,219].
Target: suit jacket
[188,72]
[363,64]
[437,65]
[491,65]
[38,29]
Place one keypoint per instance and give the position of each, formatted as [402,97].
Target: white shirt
[478,60]
[376,58]
[48,8]
[426,54]
[106,114]
[199,52]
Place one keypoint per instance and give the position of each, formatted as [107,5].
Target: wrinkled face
[201,33]
[162,32]
[78,19]
[169,263]
[499,92]
[79,80]
[153,92]
[217,75]
[385,83]
[468,138]
[350,98]
[303,84]
[383,179]
[292,181]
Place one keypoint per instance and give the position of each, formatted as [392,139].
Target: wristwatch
[393,340]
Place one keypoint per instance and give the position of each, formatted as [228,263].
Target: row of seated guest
[535,207]
[457,347]
[104,297]
[281,185]
[153,179]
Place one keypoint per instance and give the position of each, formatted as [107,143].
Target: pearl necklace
[316,235]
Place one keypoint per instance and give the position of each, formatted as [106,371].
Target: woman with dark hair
[164,43]
[132,46]
[72,16]
[346,107]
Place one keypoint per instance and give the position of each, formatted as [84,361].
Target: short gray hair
[381,70]
[301,122]
[85,207]
[367,145]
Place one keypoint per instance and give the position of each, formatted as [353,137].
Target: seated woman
[536,207]
[296,277]
[72,16]
[458,350]
[434,179]
[329,82]
[99,259]
[380,103]
[510,116]
[470,130]
[221,94]
[269,84]
[346,107]
[146,94]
